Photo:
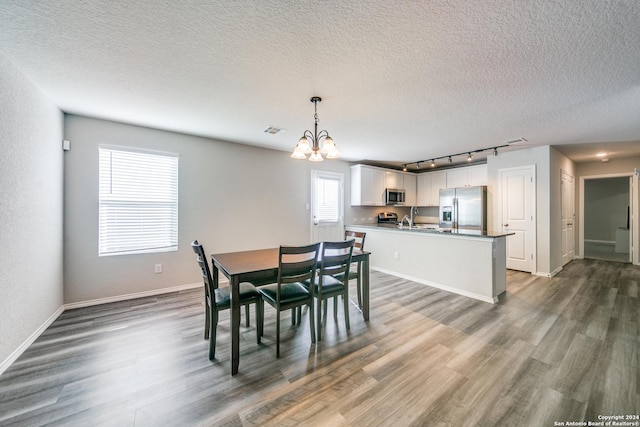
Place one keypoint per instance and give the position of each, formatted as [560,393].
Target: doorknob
[505,225]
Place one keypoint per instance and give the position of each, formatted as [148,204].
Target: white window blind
[138,202]
[327,203]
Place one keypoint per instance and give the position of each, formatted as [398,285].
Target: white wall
[231,197]
[31,189]
[540,158]
[558,163]
[605,207]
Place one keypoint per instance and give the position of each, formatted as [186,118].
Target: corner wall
[31,192]
[539,157]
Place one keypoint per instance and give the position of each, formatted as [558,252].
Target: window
[327,200]
[138,202]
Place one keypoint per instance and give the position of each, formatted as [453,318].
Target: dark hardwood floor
[560,349]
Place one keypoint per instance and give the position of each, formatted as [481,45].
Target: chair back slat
[205,271]
[357,237]
[297,263]
[336,257]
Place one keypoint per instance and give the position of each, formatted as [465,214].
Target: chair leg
[345,299]
[335,308]
[213,327]
[207,320]
[293,316]
[278,335]
[259,319]
[324,310]
[311,323]
[319,320]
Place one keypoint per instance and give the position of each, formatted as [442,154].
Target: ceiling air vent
[273,130]
[516,141]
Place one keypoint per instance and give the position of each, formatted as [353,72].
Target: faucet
[414,209]
[409,221]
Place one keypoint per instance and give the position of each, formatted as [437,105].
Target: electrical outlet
[158,268]
[396,255]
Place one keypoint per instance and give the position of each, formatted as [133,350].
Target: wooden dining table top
[234,263]
[247,261]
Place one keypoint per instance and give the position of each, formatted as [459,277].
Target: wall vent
[273,130]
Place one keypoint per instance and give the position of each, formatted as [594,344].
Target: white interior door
[327,206]
[568,217]
[517,216]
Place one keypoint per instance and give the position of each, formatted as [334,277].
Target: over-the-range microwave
[394,196]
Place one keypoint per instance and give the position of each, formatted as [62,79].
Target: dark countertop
[429,228]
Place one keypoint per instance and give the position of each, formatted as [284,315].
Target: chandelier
[309,143]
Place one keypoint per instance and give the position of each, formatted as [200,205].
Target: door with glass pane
[327,206]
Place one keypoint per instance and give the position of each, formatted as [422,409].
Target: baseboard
[601,242]
[553,273]
[467,294]
[34,336]
[131,296]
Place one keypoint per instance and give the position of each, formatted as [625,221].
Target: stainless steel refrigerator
[464,207]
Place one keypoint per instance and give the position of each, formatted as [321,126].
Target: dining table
[260,267]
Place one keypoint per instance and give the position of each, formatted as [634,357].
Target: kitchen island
[466,262]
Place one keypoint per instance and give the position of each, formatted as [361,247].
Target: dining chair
[296,265]
[333,280]
[219,299]
[356,273]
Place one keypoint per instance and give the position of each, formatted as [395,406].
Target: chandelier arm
[322,134]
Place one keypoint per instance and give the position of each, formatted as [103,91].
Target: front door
[327,206]
[517,216]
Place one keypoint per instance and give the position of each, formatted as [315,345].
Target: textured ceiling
[401,81]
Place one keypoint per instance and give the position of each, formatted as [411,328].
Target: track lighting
[469,156]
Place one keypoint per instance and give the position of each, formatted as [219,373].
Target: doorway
[327,206]
[567,193]
[607,219]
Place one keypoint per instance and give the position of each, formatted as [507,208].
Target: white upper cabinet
[393,179]
[367,186]
[469,176]
[410,189]
[429,185]
[478,175]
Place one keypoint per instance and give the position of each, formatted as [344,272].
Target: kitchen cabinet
[410,189]
[367,186]
[429,185]
[393,179]
[468,176]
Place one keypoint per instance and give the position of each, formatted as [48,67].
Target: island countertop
[433,228]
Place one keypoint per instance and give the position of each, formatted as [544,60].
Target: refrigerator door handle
[455,213]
